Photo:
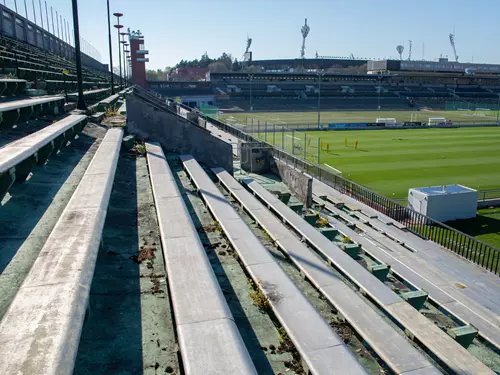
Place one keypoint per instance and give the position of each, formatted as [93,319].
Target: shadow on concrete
[481,224]
[111,340]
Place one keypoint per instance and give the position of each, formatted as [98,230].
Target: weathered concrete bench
[35,74]
[322,351]
[424,276]
[429,335]
[12,86]
[104,104]
[40,332]
[92,95]
[23,110]
[209,340]
[17,158]
[390,346]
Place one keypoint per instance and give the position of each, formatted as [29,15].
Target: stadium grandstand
[140,234]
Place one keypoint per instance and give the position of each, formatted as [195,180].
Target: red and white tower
[139,59]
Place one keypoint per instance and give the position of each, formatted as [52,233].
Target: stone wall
[176,134]
[299,183]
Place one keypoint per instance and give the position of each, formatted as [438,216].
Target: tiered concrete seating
[18,158]
[392,347]
[322,351]
[458,359]
[23,110]
[209,340]
[40,332]
[422,275]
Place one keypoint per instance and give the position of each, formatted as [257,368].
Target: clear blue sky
[367,28]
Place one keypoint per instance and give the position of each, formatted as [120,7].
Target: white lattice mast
[452,42]
[305,32]
[247,56]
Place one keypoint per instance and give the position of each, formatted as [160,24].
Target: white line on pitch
[335,169]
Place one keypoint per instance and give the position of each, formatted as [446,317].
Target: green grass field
[392,161]
[279,118]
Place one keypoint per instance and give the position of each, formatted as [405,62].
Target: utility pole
[319,98]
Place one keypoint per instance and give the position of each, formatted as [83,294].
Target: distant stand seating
[46,70]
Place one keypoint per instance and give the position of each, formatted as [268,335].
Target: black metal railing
[425,227]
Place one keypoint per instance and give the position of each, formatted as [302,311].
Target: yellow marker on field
[328,147]
[356,145]
[345,142]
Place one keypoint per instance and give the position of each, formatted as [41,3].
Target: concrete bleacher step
[104,104]
[208,337]
[430,336]
[18,158]
[22,110]
[321,349]
[391,346]
[40,332]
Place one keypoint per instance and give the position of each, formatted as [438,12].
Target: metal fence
[262,126]
[460,243]
[485,195]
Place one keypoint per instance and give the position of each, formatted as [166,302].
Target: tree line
[222,64]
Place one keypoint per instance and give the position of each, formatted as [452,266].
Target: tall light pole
[125,59]
[81,101]
[123,51]
[250,77]
[320,75]
[379,89]
[118,27]
[124,63]
[498,106]
[110,52]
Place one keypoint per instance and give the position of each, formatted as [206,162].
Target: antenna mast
[305,32]
[452,42]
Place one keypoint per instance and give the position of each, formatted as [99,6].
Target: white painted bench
[209,340]
[40,332]
[321,349]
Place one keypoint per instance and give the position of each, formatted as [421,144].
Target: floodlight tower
[409,51]
[305,32]
[400,50]
[452,42]
[247,55]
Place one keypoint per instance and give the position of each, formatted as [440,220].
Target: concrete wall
[299,183]
[254,159]
[176,134]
